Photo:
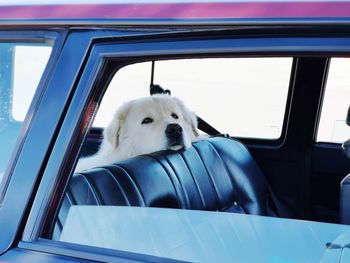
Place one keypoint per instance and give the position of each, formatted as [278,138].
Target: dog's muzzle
[174,134]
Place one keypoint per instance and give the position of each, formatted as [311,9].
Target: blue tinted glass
[21,67]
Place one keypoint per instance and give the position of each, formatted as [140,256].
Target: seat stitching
[154,156]
[194,179]
[225,165]
[90,185]
[137,187]
[196,182]
[118,184]
[210,176]
[230,174]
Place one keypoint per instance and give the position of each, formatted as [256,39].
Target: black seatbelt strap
[154,88]
[206,127]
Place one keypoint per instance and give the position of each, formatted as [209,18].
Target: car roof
[172,11]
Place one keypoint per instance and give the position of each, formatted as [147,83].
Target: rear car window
[21,67]
[244,97]
[332,126]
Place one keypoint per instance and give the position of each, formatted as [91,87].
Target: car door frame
[83,93]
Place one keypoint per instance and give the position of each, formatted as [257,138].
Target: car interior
[292,176]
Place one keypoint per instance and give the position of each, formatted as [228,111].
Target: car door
[103,53]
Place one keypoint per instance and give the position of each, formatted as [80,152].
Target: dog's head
[151,124]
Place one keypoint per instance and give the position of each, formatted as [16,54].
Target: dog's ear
[112,131]
[189,116]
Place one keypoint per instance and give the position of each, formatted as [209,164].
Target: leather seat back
[216,174]
[344,207]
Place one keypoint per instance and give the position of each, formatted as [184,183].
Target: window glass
[245,97]
[21,67]
[241,96]
[332,126]
[27,76]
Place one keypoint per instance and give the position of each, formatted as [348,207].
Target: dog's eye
[174,116]
[147,120]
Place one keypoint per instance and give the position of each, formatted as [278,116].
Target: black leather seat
[344,206]
[344,209]
[217,174]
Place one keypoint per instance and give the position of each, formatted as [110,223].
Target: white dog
[142,126]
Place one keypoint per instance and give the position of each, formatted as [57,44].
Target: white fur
[126,136]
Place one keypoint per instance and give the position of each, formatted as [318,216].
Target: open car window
[244,97]
[247,97]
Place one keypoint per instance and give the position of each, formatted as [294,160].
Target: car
[269,83]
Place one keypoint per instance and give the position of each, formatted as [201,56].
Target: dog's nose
[173,130]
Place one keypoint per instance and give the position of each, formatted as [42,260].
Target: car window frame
[36,35]
[91,86]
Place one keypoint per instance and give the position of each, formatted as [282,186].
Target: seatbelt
[154,88]
[206,127]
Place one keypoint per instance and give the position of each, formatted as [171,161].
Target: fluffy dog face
[150,124]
